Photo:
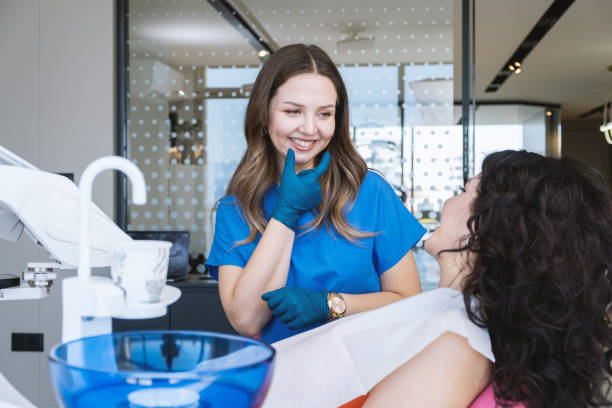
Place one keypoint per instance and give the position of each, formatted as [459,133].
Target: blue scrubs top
[323,259]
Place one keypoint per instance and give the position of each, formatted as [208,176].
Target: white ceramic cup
[140,268]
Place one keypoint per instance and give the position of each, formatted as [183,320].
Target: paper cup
[140,268]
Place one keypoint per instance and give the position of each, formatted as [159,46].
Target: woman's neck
[451,266]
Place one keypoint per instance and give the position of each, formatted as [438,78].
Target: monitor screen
[179,253]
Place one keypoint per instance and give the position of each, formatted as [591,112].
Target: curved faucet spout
[139,196]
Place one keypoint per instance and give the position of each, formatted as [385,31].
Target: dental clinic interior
[163,85]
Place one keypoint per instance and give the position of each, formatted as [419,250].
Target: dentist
[305,233]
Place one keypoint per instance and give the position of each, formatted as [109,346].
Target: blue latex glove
[298,192]
[297,307]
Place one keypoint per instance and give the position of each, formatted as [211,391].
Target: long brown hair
[258,168]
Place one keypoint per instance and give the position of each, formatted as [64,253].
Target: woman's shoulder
[374,177]
[376,185]
[375,180]
[227,205]
[228,210]
[228,199]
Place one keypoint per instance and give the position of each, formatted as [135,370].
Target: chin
[429,246]
[304,158]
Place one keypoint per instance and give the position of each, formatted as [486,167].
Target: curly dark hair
[541,231]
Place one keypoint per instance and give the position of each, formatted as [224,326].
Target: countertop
[195,281]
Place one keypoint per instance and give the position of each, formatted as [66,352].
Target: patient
[523,303]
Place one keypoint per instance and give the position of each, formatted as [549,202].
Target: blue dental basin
[178,369]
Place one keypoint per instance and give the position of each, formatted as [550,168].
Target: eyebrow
[301,106]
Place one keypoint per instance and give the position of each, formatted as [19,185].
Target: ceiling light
[516,67]
[354,42]
[548,113]
[263,53]
[539,30]
[193,33]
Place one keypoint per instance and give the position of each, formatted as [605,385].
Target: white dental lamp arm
[46,206]
[11,227]
[139,197]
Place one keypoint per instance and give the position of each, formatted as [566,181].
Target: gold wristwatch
[336,305]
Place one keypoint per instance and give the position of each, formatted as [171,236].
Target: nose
[308,126]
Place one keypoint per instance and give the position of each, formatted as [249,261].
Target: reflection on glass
[183,148]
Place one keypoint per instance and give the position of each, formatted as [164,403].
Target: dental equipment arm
[10,226]
[47,205]
[60,217]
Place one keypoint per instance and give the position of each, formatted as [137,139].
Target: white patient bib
[337,362]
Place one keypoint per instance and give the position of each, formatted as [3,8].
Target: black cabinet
[198,308]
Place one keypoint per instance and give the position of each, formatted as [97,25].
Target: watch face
[337,305]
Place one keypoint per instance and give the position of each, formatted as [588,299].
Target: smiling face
[453,231]
[302,117]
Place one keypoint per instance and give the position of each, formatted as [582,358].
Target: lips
[302,144]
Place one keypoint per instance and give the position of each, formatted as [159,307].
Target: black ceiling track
[598,109]
[231,15]
[544,24]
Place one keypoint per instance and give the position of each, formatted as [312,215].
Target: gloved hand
[297,307]
[298,192]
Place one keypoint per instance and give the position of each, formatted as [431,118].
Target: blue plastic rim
[162,369]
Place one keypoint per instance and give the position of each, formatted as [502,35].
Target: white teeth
[302,143]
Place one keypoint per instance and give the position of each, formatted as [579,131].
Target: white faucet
[139,197]
[89,302]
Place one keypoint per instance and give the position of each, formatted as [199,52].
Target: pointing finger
[289,163]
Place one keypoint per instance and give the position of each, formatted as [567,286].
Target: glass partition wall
[190,65]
